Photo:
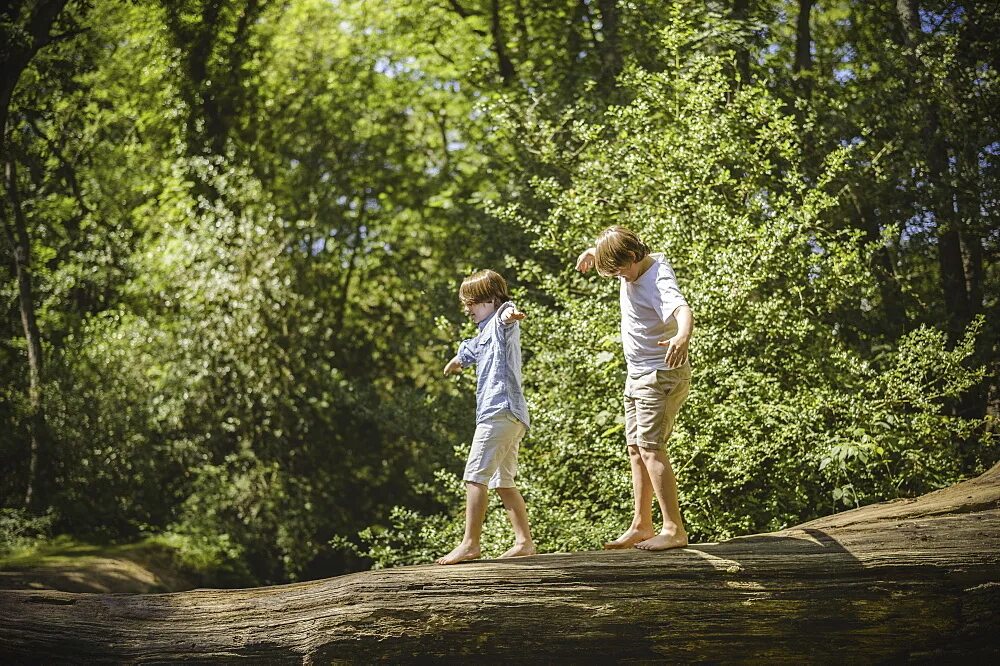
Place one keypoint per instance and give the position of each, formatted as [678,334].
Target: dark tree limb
[910,580]
[35,495]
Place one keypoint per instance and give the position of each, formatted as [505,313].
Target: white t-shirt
[648,306]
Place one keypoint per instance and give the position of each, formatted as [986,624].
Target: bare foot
[631,537]
[520,550]
[462,553]
[664,541]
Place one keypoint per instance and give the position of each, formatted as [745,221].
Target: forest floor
[73,566]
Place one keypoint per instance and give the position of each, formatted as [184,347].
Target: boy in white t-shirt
[656,326]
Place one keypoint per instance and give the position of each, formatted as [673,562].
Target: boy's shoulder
[662,266]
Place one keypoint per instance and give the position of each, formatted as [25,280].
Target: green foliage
[20,530]
[786,420]
[247,230]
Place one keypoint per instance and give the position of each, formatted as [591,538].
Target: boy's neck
[644,265]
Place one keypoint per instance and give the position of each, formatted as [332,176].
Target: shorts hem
[648,445]
[473,478]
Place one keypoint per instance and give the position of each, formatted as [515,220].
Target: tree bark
[803,50]
[505,66]
[16,55]
[35,495]
[897,581]
[741,12]
[610,47]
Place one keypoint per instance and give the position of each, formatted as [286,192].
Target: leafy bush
[786,420]
[20,529]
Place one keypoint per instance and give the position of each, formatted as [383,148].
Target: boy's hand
[453,367]
[677,350]
[586,260]
[511,315]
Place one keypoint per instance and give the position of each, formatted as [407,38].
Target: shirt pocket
[486,338]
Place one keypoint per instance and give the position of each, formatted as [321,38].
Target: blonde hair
[618,247]
[485,286]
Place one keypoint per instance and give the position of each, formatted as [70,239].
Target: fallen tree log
[909,580]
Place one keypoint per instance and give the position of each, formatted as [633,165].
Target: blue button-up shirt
[496,353]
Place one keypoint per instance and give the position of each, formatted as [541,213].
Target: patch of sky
[767,51]
[920,225]
[318,246]
[448,84]
[762,198]
[853,141]
[843,74]
[393,68]
[931,21]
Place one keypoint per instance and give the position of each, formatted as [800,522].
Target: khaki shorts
[493,457]
[651,405]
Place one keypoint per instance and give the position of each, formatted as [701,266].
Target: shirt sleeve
[668,294]
[467,352]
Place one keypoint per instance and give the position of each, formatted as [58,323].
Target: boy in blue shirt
[656,325]
[501,412]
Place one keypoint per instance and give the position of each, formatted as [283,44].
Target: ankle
[673,529]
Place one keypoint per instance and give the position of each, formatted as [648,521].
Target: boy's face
[479,311]
[629,272]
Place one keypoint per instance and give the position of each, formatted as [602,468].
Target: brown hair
[617,247]
[484,286]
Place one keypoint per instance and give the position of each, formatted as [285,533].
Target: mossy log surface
[909,580]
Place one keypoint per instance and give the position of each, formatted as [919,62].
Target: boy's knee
[650,455]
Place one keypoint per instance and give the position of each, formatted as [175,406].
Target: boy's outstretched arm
[677,346]
[586,260]
[453,367]
[511,314]
[465,356]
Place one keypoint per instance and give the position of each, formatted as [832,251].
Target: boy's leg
[503,482]
[476,500]
[642,493]
[664,484]
[517,513]
[672,386]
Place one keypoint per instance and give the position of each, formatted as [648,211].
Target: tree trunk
[740,12]
[898,581]
[942,199]
[17,54]
[505,66]
[35,495]
[803,50]
[610,47]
